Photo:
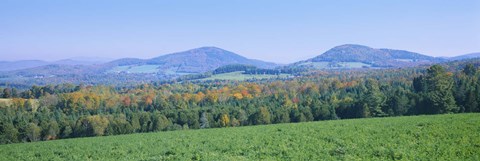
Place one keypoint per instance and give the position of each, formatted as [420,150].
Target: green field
[5,102]
[440,137]
[338,65]
[239,76]
[136,69]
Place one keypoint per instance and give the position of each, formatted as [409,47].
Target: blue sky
[271,30]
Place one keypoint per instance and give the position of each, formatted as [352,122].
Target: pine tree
[204,121]
[373,99]
[469,70]
[439,94]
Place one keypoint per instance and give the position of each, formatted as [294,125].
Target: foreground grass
[440,137]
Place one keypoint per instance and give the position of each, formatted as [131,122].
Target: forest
[68,111]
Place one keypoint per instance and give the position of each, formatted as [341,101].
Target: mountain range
[191,61]
[206,59]
[25,64]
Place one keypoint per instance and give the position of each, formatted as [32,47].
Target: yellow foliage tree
[98,124]
[238,96]
[224,120]
[199,97]
[18,103]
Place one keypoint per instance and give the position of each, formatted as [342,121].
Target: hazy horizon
[107,59]
[266,30]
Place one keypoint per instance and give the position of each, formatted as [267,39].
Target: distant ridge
[21,64]
[26,64]
[373,57]
[201,62]
[209,58]
[466,56]
[196,60]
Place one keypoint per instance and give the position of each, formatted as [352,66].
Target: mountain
[127,71]
[466,56]
[204,59]
[197,60]
[353,56]
[82,61]
[21,64]
[126,61]
[191,61]
[27,64]
[54,70]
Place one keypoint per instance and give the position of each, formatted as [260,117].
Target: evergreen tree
[204,123]
[373,99]
[439,95]
[469,70]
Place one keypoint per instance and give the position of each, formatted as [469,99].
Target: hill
[22,64]
[191,61]
[358,56]
[54,69]
[199,61]
[134,70]
[439,137]
[27,64]
[466,56]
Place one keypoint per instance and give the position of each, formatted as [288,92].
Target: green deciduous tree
[33,132]
[262,116]
[97,124]
[8,133]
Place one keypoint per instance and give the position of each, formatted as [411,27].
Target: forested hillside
[384,58]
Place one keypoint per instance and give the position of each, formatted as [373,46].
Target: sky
[271,30]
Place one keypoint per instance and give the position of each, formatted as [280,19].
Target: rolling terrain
[164,68]
[439,137]
[240,76]
[200,61]
[191,61]
[358,56]
[466,56]
[28,64]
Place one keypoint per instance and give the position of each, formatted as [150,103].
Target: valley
[200,61]
[239,80]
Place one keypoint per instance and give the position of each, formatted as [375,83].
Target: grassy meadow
[438,137]
[240,76]
[5,102]
[337,65]
[136,69]
[8,102]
